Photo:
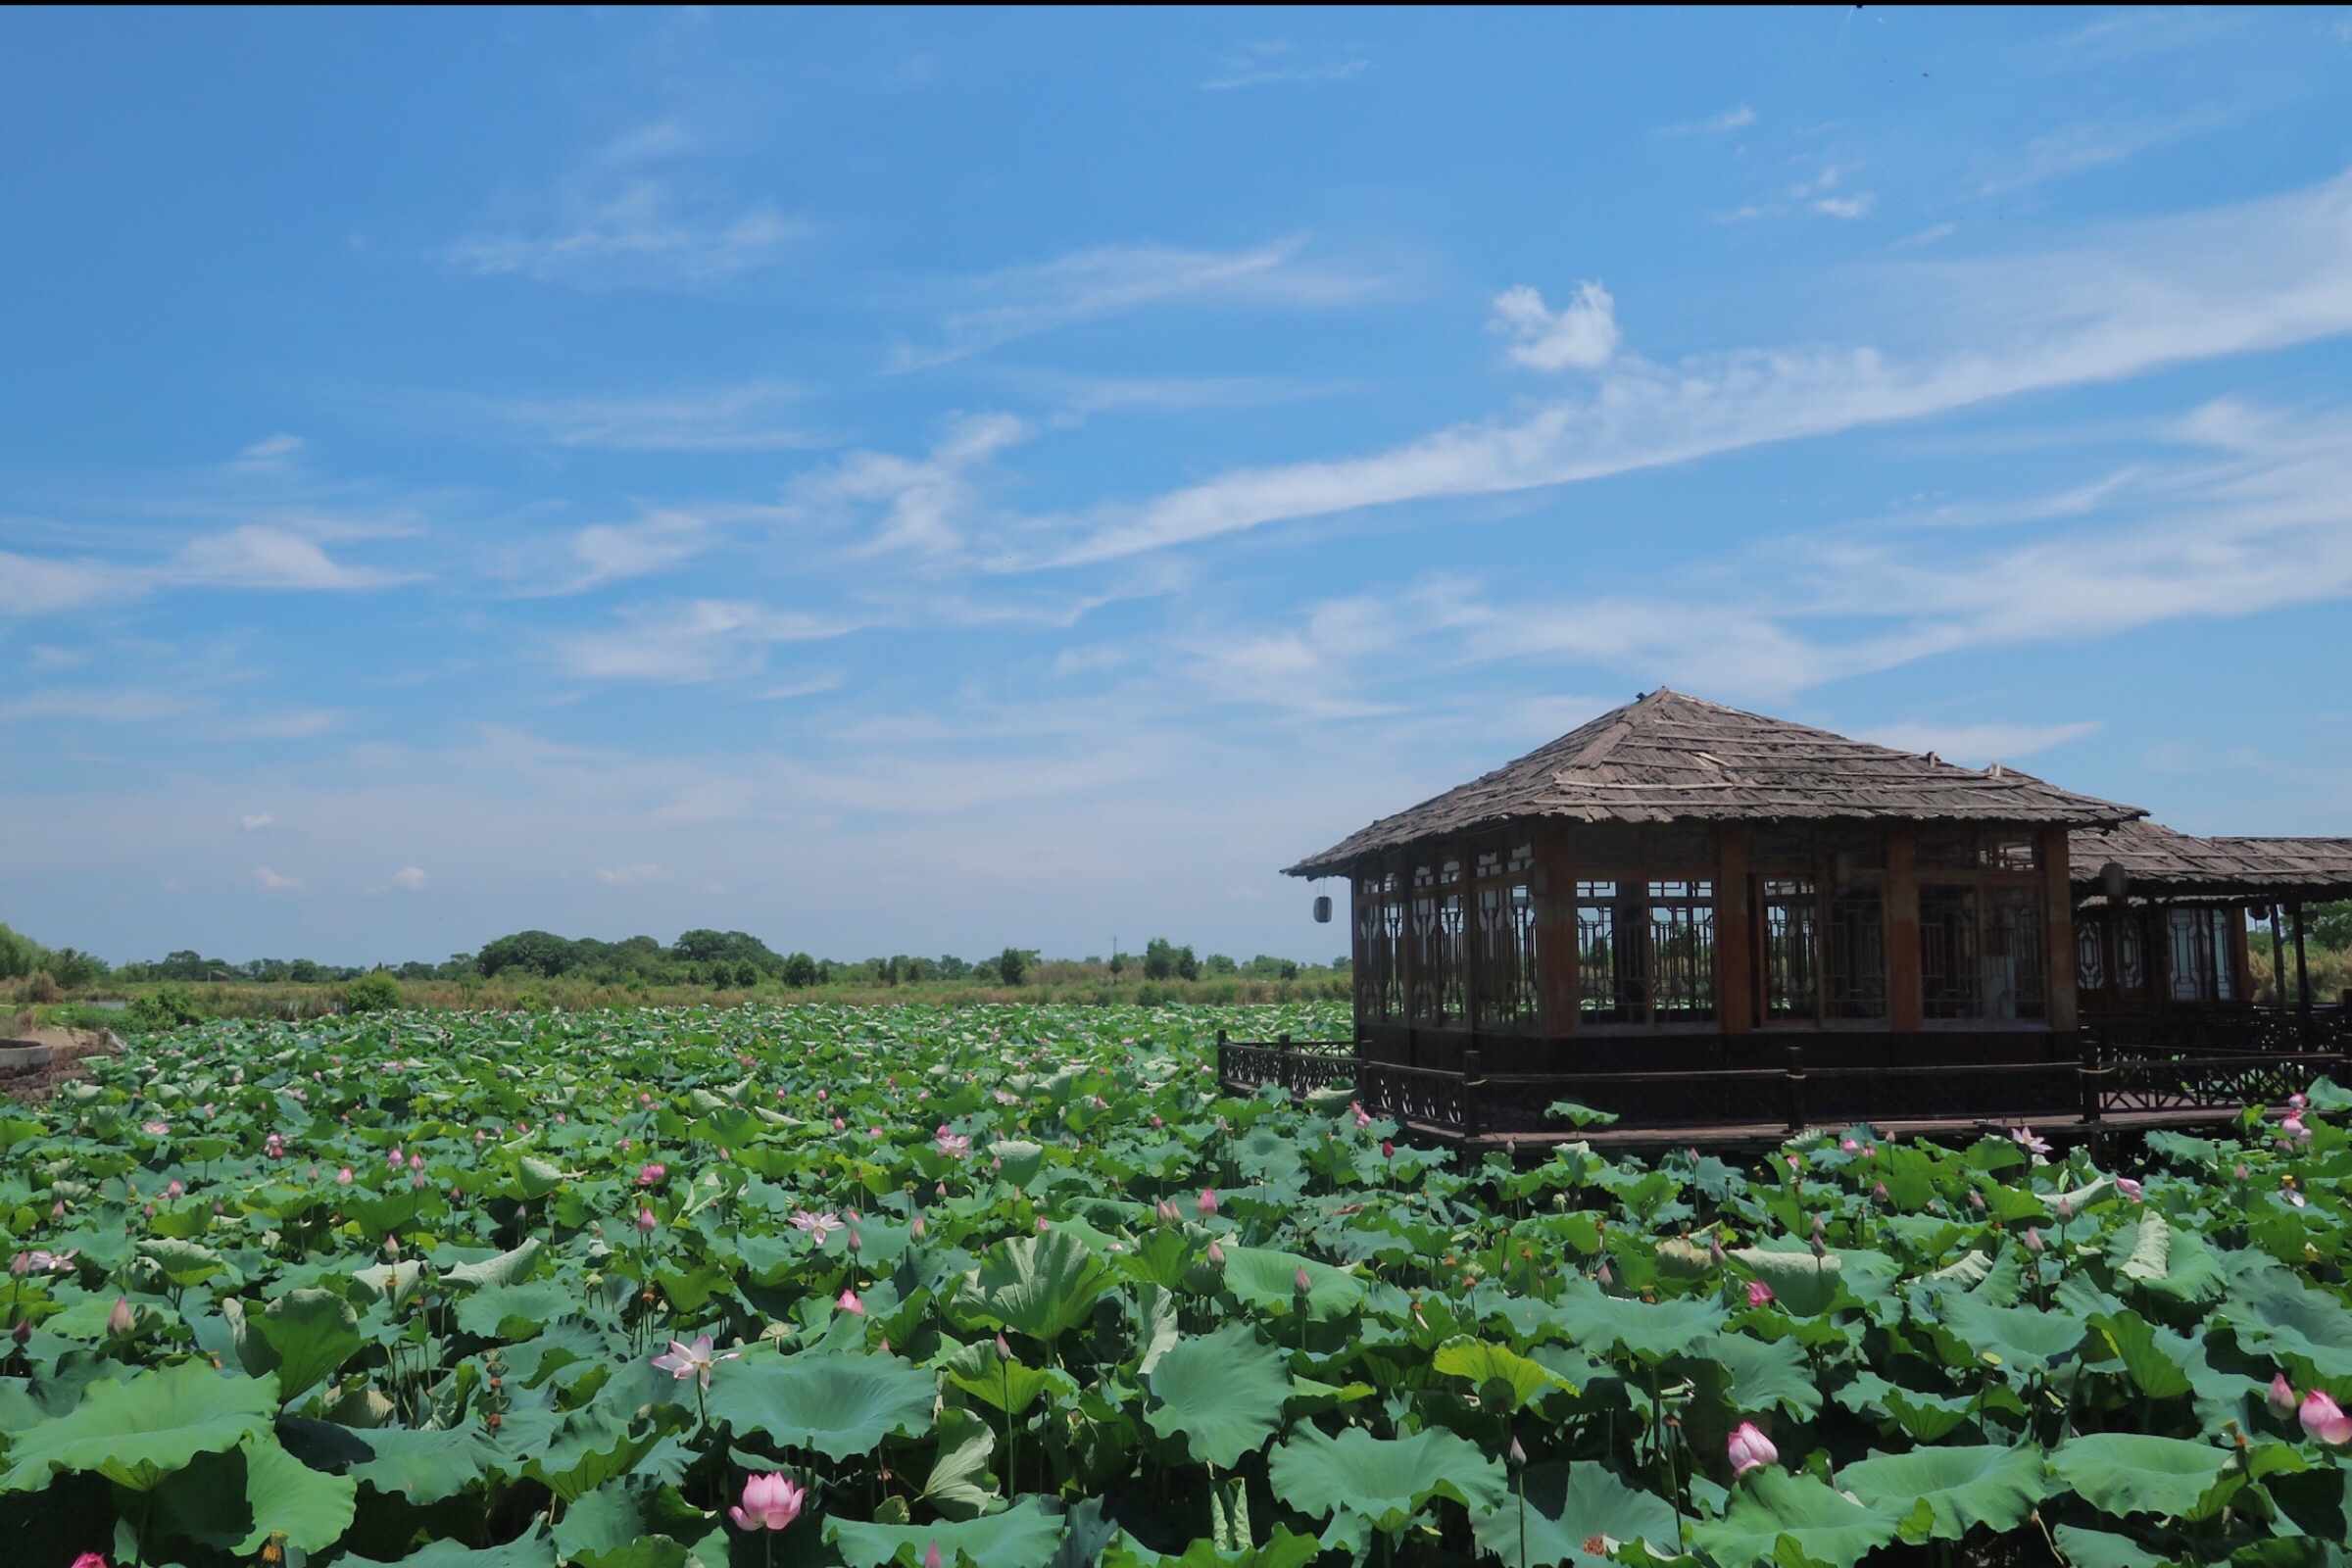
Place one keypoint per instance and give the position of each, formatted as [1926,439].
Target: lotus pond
[1018,1287]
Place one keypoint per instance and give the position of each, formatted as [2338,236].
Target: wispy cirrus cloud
[2124,300]
[2073,150]
[698,640]
[1110,280]
[919,505]
[1978,745]
[630,214]
[1737,117]
[751,417]
[1279,63]
[1579,335]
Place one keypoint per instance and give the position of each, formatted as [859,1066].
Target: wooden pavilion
[1712,924]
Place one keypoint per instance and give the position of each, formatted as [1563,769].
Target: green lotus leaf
[1021,1159]
[1521,1381]
[2101,1549]
[838,1404]
[517,1311]
[957,1486]
[1267,1279]
[184,1263]
[1383,1481]
[1024,1535]
[1284,1548]
[1942,1493]
[589,1448]
[1041,1286]
[2129,1472]
[2024,1340]
[1770,1507]
[424,1466]
[1009,1386]
[2277,1313]
[310,1334]
[139,1430]
[1224,1392]
[1618,1325]
[1567,1505]
[1756,1374]
[2154,1366]
[506,1268]
[535,1548]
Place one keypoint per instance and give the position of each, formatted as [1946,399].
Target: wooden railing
[2223,1031]
[2109,1078]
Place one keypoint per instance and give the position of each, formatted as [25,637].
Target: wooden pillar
[1357,950]
[1466,950]
[2302,970]
[1904,1003]
[2058,926]
[1556,957]
[2241,958]
[2277,958]
[1734,932]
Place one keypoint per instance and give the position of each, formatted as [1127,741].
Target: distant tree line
[719,960]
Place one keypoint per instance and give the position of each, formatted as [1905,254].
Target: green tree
[799,971]
[2328,924]
[1219,963]
[1012,965]
[373,992]
[1159,960]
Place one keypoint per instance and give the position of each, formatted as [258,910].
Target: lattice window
[1376,952]
[2090,954]
[1682,950]
[2130,954]
[1791,947]
[2224,957]
[1944,849]
[2192,954]
[1858,970]
[1437,995]
[2007,852]
[1951,983]
[1505,947]
[1608,945]
[2015,957]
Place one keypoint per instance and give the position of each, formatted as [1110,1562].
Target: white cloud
[1976,745]
[922,504]
[807,686]
[257,556]
[1928,235]
[31,585]
[409,879]
[1094,660]
[270,454]
[608,553]
[625,216]
[2130,298]
[630,876]
[1845,207]
[1276,62]
[255,821]
[2077,149]
[1113,281]
[1737,117]
[754,416]
[698,640]
[48,657]
[269,881]
[1579,335]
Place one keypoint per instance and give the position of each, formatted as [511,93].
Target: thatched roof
[1668,757]
[2160,862]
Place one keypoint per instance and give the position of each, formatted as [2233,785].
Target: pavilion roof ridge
[1671,756]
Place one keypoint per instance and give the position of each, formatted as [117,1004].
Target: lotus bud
[2130,1188]
[918,1229]
[1388,1150]
[1515,1456]
[848,1302]
[21,1333]
[644,1221]
[1878,1192]
[120,1321]
[2065,1210]
[2325,1419]
[1004,1347]
[1604,1275]
[1715,1251]
[932,1558]
[2241,1173]
[1759,1294]
[1208,1202]
[2283,1400]
[1976,1200]
[2032,1241]
[1301,1282]
[1216,1254]
[1751,1450]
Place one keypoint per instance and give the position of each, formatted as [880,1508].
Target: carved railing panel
[1417,1094]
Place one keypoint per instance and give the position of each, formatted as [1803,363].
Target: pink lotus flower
[2023,1137]
[2297,1101]
[651,1175]
[1216,1254]
[89,1559]
[155,1129]
[1206,1202]
[848,1302]
[2283,1400]
[2293,1127]
[1759,1294]
[694,1361]
[1751,1450]
[932,1558]
[1850,1146]
[416,1161]
[2325,1420]
[2131,1189]
[918,1229]
[2032,1241]
[38,1261]
[121,1320]
[1388,1150]
[769,1503]
[645,1221]
[816,1227]
[955,1146]
[839,1125]
[176,1189]
[1004,1347]
[274,1147]
[1041,1224]
[343,1177]
[1301,1282]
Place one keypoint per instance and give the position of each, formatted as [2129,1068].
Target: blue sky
[921,483]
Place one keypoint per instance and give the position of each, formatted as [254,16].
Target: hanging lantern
[1322,908]
[2113,881]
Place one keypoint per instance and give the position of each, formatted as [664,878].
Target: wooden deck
[1766,1136]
